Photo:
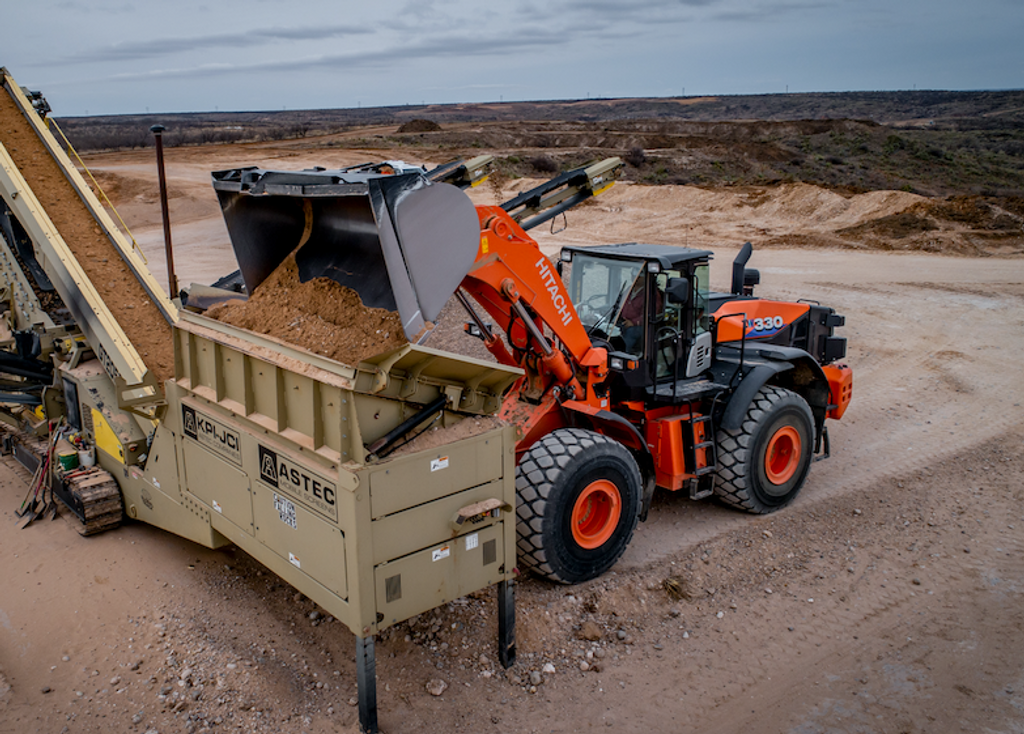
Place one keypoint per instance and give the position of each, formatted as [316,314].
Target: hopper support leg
[366,682]
[506,623]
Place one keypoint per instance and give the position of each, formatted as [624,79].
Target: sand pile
[319,315]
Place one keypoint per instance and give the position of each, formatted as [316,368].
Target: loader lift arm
[521,290]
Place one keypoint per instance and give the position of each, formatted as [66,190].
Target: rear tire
[763,464]
[579,500]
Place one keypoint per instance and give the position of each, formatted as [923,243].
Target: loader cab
[648,305]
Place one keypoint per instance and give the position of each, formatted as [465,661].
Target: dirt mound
[897,226]
[419,126]
[979,214]
[123,189]
[816,205]
[958,225]
[319,315]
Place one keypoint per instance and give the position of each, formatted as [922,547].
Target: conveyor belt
[106,286]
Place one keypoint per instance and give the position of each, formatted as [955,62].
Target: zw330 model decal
[767,323]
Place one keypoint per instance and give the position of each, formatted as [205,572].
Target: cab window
[599,289]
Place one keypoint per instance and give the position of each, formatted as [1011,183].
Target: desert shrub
[635,156]
[419,126]
[544,164]
[1014,148]
[894,143]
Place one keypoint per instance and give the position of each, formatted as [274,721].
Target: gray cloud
[642,11]
[768,11]
[660,12]
[135,51]
[396,56]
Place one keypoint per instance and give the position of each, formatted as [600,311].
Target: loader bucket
[401,242]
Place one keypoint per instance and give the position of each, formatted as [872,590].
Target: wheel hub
[596,513]
[782,455]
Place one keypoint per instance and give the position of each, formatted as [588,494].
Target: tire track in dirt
[882,596]
[927,383]
[930,378]
[896,600]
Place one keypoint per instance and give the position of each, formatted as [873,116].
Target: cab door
[680,337]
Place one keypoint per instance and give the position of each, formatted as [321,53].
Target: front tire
[579,500]
[763,464]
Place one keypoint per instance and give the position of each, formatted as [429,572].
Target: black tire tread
[536,475]
[733,485]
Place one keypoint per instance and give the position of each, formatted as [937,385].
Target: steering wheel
[671,330]
[591,308]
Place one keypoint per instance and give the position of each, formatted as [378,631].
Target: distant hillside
[933,143]
[947,110]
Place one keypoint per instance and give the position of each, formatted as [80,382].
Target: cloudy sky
[116,56]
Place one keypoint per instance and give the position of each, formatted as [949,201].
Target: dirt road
[888,598]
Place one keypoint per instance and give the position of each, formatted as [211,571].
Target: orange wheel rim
[596,514]
[782,456]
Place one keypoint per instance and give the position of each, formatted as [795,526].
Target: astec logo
[299,482]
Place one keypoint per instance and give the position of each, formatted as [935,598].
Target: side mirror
[678,290]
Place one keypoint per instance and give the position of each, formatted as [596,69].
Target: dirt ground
[888,598]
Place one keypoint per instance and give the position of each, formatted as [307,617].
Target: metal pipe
[366,684]
[384,443]
[172,279]
[738,265]
[531,327]
[474,315]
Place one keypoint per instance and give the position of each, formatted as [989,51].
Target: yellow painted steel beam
[115,350]
[130,254]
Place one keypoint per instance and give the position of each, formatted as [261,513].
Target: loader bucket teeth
[401,242]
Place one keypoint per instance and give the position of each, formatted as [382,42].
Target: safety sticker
[294,560]
[443,552]
[217,507]
[438,464]
[286,511]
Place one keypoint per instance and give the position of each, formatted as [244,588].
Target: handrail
[102,193]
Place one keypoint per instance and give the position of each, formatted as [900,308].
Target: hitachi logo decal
[559,301]
[299,482]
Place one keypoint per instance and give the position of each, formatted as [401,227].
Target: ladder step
[700,490]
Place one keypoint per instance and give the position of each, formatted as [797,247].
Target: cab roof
[668,256]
